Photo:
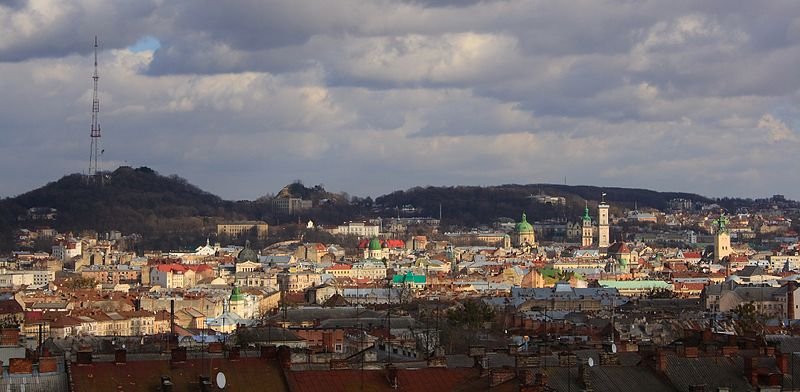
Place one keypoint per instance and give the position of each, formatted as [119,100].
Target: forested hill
[170,213]
[473,205]
[130,200]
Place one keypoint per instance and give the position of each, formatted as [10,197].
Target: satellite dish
[221,380]
[590,362]
[614,348]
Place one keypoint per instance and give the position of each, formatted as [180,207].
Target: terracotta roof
[10,306]
[428,379]
[241,375]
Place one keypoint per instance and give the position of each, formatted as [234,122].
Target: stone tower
[602,224]
[722,238]
[586,237]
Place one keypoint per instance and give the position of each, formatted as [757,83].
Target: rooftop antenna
[94,135]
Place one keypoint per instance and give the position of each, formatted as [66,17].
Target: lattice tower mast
[94,134]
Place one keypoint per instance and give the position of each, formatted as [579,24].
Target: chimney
[171,320]
[205,383]
[708,336]
[586,376]
[166,384]
[751,370]
[500,375]
[791,287]
[84,357]
[120,356]
[391,375]
[661,361]
[269,352]
[783,362]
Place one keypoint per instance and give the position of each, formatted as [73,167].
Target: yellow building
[722,239]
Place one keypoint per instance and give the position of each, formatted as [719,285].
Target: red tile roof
[422,380]
[245,374]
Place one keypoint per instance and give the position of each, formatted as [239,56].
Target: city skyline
[369,97]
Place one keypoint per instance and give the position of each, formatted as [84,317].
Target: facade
[172,276]
[360,229]
[67,249]
[26,278]
[112,274]
[290,205]
[239,229]
[298,281]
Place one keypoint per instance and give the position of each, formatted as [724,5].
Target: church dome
[524,226]
[375,244]
[247,254]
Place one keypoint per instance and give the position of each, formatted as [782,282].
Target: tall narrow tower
[586,237]
[722,238]
[602,223]
[94,150]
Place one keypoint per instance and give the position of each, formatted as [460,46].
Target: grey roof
[269,334]
[320,313]
[714,372]
[786,343]
[607,378]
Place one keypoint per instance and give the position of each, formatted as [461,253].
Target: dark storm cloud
[57,29]
[243,96]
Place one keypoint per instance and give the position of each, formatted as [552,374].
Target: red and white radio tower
[94,152]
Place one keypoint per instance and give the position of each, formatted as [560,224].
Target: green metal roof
[236,295]
[409,278]
[375,244]
[524,226]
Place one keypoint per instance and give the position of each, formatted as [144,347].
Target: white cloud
[243,96]
[778,131]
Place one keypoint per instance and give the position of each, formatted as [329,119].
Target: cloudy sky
[368,96]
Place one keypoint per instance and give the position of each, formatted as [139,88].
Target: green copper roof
[236,295]
[375,244]
[409,278]
[586,216]
[524,226]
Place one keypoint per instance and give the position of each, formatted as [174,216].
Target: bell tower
[586,237]
[602,223]
[722,238]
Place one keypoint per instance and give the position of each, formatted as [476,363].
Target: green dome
[375,244]
[236,295]
[524,226]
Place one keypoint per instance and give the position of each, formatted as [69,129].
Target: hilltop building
[243,228]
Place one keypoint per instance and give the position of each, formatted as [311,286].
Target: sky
[242,97]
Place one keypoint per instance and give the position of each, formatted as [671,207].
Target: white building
[360,229]
[67,249]
[26,278]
